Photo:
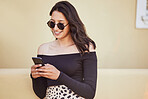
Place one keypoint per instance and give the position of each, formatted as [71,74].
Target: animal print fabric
[61,92]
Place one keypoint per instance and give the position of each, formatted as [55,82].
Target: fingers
[35,66]
[36,75]
[47,71]
[43,70]
[46,68]
[49,75]
[45,74]
[34,72]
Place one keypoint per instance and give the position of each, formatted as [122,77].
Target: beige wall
[110,23]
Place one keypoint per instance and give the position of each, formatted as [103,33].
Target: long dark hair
[77,28]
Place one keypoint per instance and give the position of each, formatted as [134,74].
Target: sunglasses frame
[48,23]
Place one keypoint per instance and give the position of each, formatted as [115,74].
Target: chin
[58,37]
[61,35]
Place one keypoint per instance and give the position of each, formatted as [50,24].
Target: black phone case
[37,60]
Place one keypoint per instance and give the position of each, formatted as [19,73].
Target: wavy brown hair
[77,28]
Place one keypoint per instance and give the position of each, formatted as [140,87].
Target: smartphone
[37,60]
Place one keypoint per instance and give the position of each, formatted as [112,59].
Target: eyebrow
[58,20]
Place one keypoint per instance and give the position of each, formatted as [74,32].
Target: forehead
[58,16]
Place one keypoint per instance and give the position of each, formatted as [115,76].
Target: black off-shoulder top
[77,72]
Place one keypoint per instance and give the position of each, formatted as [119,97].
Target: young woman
[70,70]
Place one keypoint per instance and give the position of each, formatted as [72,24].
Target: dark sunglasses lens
[51,24]
[60,26]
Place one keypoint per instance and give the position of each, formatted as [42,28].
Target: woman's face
[58,17]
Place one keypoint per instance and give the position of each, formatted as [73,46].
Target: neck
[65,42]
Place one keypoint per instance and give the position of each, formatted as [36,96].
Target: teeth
[57,32]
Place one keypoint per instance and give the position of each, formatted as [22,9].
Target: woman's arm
[39,83]
[39,86]
[87,88]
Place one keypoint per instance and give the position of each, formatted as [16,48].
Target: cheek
[66,30]
[51,30]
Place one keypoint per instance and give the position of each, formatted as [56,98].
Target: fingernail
[40,64]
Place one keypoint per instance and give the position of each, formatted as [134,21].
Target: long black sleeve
[87,88]
[39,86]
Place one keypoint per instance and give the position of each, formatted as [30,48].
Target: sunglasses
[52,24]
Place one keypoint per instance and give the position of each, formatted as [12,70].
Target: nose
[55,27]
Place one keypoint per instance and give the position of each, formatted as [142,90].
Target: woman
[70,70]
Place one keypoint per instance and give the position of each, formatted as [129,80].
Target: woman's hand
[34,72]
[49,71]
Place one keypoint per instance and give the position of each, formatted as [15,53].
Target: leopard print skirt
[61,92]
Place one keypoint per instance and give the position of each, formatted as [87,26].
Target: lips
[57,33]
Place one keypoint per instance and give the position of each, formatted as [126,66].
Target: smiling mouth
[57,33]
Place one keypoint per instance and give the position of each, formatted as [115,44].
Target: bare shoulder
[91,47]
[43,48]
